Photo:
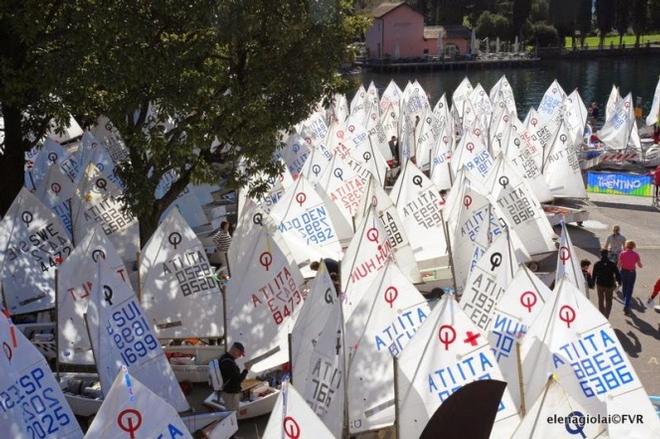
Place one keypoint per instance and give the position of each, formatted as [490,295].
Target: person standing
[222,240]
[629,260]
[605,275]
[394,147]
[232,377]
[656,183]
[615,243]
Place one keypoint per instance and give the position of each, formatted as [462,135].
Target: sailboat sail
[366,255]
[553,403]
[561,167]
[98,202]
[568,337]
[178,292]
[51,153]
[552,99]
[516,311]
[302,213]
[122,336]
[654,112]
[293,418]
[317,353]
[131,409]
[447,352]
[33,243]
[75,285]
[518,208]
[568,263]
[383,322]
[32,403]
[419,203]
[264,295]
[394,227]
[56,191]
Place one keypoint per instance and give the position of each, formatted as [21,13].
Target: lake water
[593,78]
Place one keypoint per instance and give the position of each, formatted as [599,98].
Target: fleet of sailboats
[393,190]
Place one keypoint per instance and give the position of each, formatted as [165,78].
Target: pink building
[398,31]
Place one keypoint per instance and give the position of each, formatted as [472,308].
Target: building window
[426,51]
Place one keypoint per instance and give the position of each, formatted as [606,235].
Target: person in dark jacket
[232,376]
[606,276]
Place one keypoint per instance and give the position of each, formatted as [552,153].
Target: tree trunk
[637,36]
[149,223]
[13,159]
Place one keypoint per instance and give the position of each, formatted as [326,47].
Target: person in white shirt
[615,243]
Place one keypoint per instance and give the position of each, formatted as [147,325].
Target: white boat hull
[248,409]
[193,365]
[85,406]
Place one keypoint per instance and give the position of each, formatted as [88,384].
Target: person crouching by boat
[629,260]
[232,377]
[605,275]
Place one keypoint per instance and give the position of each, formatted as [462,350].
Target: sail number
[130,333]
[43,413]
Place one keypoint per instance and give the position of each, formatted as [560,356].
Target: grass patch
[628,40]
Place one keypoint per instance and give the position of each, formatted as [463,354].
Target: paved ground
[639,334]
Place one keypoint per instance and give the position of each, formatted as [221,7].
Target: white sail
[481,103]
[447,352]
[383,322]
[366,255]
[32,403]
[394,227]
[130,409]
[419,205]
[50,153]
[616,131]
[178,293]
[75,285]
[568,263]
[441,109]
[525,156]
[519,208]
[122,336]
[472,229]
[343,185]
[33,243]
[575,116]
[541,420]
[92,151]
[502,92]
[56,191]
[389,120]
[472,154]
[429,131]
[573,341]
[264,295]
[293,418]
[561,167]
[302,214]
[316,164]
[652,118]
[516,311]
[488,281]
[441,173]
[317,353]
[460,95]
[532,119]
[612,102]
[358,101]
[294,153]
[98,202]
[552,99]
[390,97]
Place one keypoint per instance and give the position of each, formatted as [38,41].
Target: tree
[563,15]
[177,77]
[604,17]
[584,17]
[545,35]
[30,47]
[493,25]
[521,11]
[654,14]
[639,18]
[622,17]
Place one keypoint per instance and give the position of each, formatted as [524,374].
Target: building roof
[432,32]
[385,8]
[456,31]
